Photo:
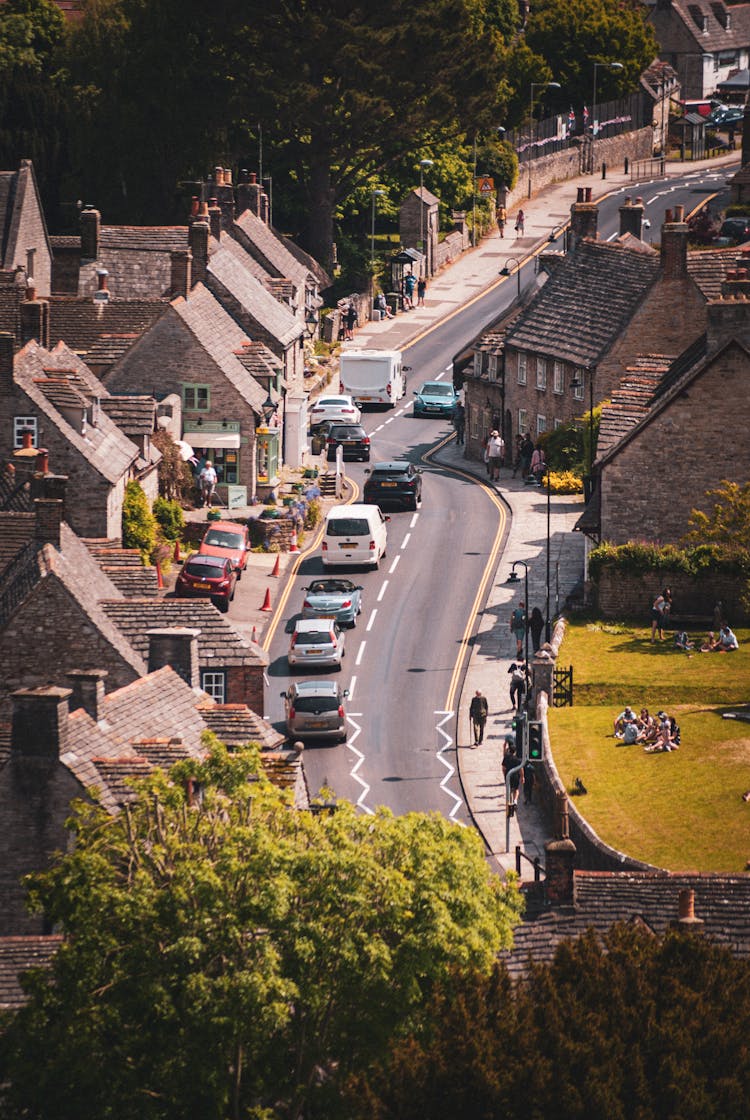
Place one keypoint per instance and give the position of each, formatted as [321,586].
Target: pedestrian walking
[527,450]
[495,452]
[478,712]
[520,222]
[512,771]
[518,626]
[350,321]
[459,422]
[421,289]
[659,611]
[536,626]
[519,679]
[410,284]
[502,217]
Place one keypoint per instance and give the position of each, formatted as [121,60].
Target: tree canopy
[226,955]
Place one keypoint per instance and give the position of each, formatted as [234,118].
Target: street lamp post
[547,625]
[514,578]
[610,66]
[505,271]
[423,163]
[474,198]
[375,192]
[576,383]
[536,85]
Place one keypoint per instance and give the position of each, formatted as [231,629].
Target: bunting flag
[571,120]
[585,117]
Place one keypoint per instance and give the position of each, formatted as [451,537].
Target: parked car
[340,408]
[734,231]
[435,398]
[352,438]
[315,710]
[228,539]
[316,642]
[333,597]
[395,483]
[207,577]
[725,116]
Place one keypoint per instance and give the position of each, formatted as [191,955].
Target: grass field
[683,810]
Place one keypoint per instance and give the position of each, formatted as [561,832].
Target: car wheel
[223,605]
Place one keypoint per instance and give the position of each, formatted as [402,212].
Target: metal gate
[562,688]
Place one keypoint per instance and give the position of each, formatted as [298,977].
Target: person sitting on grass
[682,641]
[727,642]
[626,719]
[664,740]
[709,642]
[648,727]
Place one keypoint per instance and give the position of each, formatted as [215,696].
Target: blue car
[435,398]
[335,598]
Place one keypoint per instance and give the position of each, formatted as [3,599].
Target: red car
[208,577]
[228,539]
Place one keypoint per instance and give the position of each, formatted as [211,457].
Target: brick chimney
[220,188]
[686,919]
[7,354]
[34,318]
[199,232]
[87,687]
[91,221]
[177,647]
[631,217]
[584,217]
[560,857]
[181,266]
[674,244]
[251,196]
[49,513]
[101,295]
[40,723]
[214,218]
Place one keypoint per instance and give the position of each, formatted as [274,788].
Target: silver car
[315,710]
[316,641]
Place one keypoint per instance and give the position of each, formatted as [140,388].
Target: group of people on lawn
[657,733]
[726,642]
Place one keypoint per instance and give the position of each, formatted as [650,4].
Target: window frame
[558,377]
[194,387]
[523,421]
[541,372]
[23,424]
[214,681]
[522,368]
[541,423]
[580,389]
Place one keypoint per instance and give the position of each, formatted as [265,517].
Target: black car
[352,438]
[394,483]
[734,231]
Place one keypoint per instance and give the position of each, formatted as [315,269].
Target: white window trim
[541,424]
[523,421]
[558,377]
[23,424]
[541,373]
[579,390]
[522,371]
[214,682]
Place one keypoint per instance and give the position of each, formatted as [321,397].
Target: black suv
[394,483]
[352,438]
[734,231]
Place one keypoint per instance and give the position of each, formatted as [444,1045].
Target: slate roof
[134,415]
[716,37]
[259,361]
[138,261]
[708,267]
[107,449]
[221,338]
[228,265]
[586,302]
[272,252]
[15,188]
[102,331]
[16,530]
[312,266]
[722,902]
[124,567]
[630,400]
[236,724]
[219,644]
[18,955]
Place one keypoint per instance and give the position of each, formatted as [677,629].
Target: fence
[555,134]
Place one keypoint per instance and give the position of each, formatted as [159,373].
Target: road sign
[486,184]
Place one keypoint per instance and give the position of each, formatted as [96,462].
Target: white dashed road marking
[368,628]
[405,541]
[381,593]
[360,653]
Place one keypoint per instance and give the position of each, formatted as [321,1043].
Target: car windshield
[221,539]
[313,638]
[346,431]
[316,703]
[332,402]
[438,390]
[330,587]
[348,527]
[389,472]
[203,571]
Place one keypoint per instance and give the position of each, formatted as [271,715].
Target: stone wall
[622,595]
[451,248]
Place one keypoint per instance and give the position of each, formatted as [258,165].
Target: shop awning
[229,440]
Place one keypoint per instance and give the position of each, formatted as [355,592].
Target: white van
[354,534]
[373,376]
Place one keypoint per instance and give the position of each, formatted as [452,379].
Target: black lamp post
[514,578]
[576,383]
[547,625]
[505,271]
[268,408]
[311,322]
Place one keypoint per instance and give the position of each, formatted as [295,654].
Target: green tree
[175,476]
[728,523]
[138,522]
[624,1027]
[571,37]
[226,955]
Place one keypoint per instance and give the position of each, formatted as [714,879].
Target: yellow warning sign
[486,184]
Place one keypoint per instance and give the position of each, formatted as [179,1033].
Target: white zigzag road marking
[353,772]
[451,769]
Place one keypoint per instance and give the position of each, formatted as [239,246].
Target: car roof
[437,385]
[332,397]
[391,465]
[344,424]
[356,509]
[317,688]
[303,625]
[227,526]
[207,559]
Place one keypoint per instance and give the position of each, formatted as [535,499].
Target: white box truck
[373,376]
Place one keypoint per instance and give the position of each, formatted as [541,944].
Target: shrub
[138,522]
[565,482]
[313,513]
[175,476]
[170,517]
[640,558]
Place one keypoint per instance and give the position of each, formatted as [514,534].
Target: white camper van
[373,376]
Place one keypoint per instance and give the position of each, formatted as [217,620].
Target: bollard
[627,165]
[604,171]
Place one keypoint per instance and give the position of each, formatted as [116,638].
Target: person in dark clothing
[518,683]
[459,422]
[511,761]
[478,710]
[527,450]
[536,627]
[529,777]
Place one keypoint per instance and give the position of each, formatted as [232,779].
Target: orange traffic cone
[159,576]
[293,542]
[177,556]
[275,571]
[267,601]
[253,637]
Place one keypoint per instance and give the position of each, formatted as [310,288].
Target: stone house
[24,242]
[67,741]
[197,351]
[66,604]
[49,399]
[706,41]
[419,220]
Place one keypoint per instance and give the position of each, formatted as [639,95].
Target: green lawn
[683,810]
